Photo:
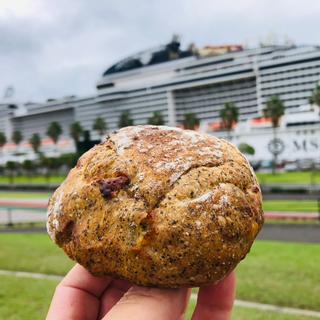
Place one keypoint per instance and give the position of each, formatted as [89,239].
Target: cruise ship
[174,82]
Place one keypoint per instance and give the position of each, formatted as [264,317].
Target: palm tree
[76,131]
[3,140]
[125,119]
[229,116]
[315,98]
[190,121]
[156,119]
[100,126]
[17,138]
[54,131]
[35,142]
[274,110]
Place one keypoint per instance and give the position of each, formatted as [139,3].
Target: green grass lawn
[22,298]
[33,253]
[277,273]
[281,273]
[29,180]
[251,314]
[29,299]
[264,178]
[290,205]
[24,195]
[289,177]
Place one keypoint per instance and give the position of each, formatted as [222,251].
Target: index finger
[216,301]
[77,296]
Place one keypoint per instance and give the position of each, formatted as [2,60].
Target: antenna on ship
[8,93]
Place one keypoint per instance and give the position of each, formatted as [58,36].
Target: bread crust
[158,206]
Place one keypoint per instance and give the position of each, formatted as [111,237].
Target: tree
[156,119]
[35,142]
[3,140]
[246,148]
[69,159]
[46,164]
[12,166]
[54,131]
[28,167]
[125,120]
[229,116]
[76,131]
[274,110]
[16,137]
[315,98]
[50,165]
[100,126]
[190,121]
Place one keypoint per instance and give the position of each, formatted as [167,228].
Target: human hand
[81,296]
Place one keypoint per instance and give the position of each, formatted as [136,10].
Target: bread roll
[158,206]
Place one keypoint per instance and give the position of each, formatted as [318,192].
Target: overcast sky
[49,49]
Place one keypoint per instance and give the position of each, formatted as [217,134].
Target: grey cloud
[65,47]
[18,37]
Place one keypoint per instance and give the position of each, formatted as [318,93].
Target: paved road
[291,196]
[309,233]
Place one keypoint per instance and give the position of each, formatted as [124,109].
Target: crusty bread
[158,206]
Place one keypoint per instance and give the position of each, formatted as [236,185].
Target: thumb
[150,304]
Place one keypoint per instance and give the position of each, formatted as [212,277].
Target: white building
[298,133]
[176,82]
